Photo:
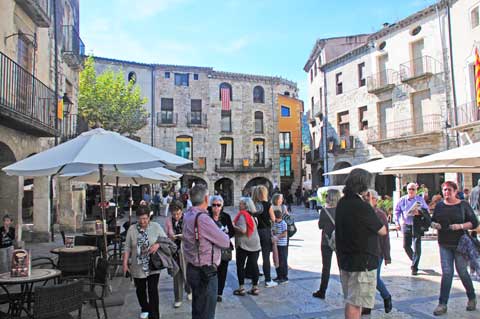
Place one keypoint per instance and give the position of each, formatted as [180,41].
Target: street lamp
[67,104]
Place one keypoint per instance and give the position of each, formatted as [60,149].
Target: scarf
[143,257]
[177,229]
[248,219]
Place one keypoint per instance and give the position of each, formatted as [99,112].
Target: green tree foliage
[108,101]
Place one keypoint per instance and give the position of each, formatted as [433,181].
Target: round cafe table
[95,234]
[17,305]
[74,250]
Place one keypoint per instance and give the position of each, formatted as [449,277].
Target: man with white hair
[408,206]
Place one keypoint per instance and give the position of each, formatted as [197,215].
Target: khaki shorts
[359,287]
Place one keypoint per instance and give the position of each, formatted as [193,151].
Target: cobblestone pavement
[413,297]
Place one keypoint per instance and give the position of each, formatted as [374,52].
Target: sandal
[239,292]
[254,291]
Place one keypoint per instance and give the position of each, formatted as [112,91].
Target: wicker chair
[79,265]
[57,302]
[97,289]
[43,263]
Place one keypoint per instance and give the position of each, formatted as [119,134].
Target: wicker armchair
[79,265]
[97,290]
[57,302]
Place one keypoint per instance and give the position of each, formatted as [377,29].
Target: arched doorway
[188,181]
[339,179]
[9,190]
[224,188]
[247,190]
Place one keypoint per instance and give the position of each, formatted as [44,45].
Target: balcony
[244,165]
[382,81]
[346,143]
[197,120]
[26,104]
[71,126]
[72,47]
[315,156]
[167,119]
[468,115]
[287,175]
[419,69]
[406,129]
[286,149]
[199,165]
[37,10]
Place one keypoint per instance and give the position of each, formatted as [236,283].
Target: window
[24,52]
[181,79]
[319,59]
[338,82]
[225,86]
[226,121]
[362,118]
[343,121]
[320,101]
[196,111]
[132,77]
[285,165]
[166,110]
[285,111]
[416,30]
[312,101]
[382,45]
[286,93]
[195,76]
[259,152]
[311,75]
[361,74]
[315,69]
[258,122]
[258,95]
[184,147]
[285,140]
[226,151]
[474,17]
[167,75]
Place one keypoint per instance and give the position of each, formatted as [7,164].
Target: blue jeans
[448,256]
[204,294]
[282,270]
[380,285]
[414,254]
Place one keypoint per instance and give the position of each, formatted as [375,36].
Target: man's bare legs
[352,311]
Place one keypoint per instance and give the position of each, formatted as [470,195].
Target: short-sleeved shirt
[356,234]
[447,215]
[278,229]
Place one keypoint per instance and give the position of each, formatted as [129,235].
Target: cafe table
[74,250]
[17,305]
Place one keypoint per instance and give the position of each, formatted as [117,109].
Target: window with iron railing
[258,122]
[196,111]
[285,165]
[166,111]
[285,140]
[226,121]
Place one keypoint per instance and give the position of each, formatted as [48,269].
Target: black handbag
[226,254]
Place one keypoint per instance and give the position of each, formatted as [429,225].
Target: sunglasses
[216,205]
[412,189]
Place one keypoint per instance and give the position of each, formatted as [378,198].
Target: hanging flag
[225,96]
[60,108]
[477,76]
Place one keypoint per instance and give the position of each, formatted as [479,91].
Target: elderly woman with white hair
[224,222]
[247,245]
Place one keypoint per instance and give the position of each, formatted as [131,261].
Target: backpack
[291,228]
[331,238]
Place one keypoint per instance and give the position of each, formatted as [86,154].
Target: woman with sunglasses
[224,222]
[452,218]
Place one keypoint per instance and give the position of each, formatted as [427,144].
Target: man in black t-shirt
[357,228]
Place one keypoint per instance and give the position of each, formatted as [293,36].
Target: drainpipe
[274,131]
[450,44]
[153,115]
[55,46]
[325,125]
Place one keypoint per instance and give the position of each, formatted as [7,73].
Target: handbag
[226,254]
[291,228]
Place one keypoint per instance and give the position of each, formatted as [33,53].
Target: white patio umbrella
[122,177]
[376,166]
[95,150]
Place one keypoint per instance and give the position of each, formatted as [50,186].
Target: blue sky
[265,37]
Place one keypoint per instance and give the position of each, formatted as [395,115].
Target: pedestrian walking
[174,228]
[224,223]
[247,246]
[202,243]
[141,242]
[327,225]
[357,228]
[7,238]
[409,206]
[156,203]
[452,218]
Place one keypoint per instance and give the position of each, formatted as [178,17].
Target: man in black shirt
[357,228]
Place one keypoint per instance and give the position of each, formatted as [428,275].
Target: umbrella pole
[102,201]
[130,207]
[116,202]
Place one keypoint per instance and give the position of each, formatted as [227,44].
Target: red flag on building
[225,95]
[477,76]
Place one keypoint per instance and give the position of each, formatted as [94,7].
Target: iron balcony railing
[382,81]
[167,118]
[197,119]
[244,165]
[419,68]
[73,48]
[71,126]
[287,174]
[405,128]
[28,102]
[37,10]
[468,113]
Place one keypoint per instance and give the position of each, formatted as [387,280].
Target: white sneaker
[189,296]
[270,283]
[177,304]
[144,315]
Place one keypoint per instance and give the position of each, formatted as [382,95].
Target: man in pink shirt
[202,244]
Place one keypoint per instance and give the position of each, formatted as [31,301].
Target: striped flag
[477,76]
[225,96]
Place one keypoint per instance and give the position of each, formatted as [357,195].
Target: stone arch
[188,181]
[225,187]
[340,179]
[10,192]
[255,182]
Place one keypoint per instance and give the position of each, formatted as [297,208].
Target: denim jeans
[449,256]
[204,294]
[282,270]
[382,289]
[414,254]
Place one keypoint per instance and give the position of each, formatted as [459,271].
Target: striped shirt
[278,229]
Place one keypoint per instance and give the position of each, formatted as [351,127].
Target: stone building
[34,79]
[233,146]
[390,95]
